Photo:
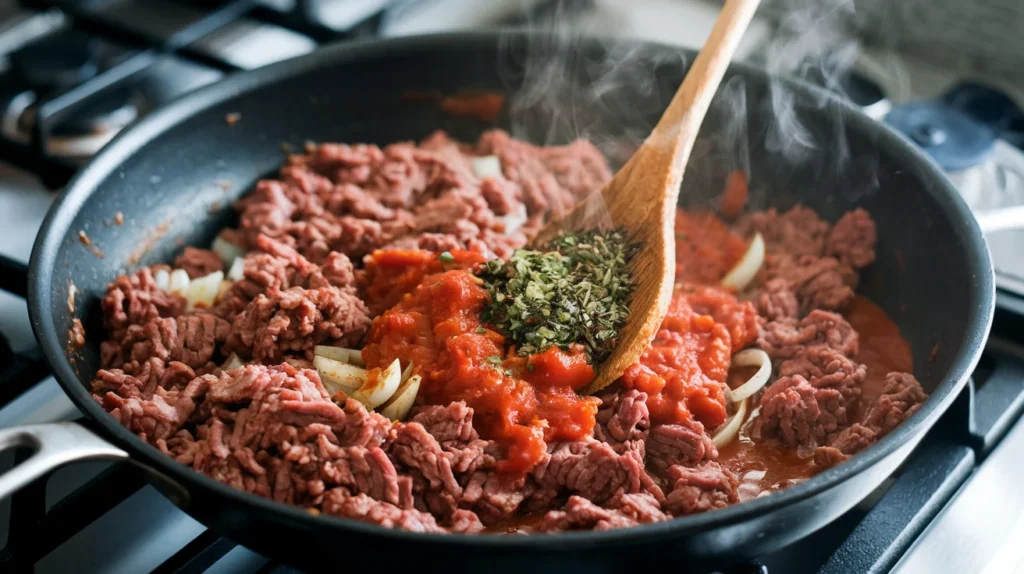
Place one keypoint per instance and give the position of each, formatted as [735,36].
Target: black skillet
[168,176]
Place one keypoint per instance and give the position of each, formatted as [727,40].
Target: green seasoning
[576,292]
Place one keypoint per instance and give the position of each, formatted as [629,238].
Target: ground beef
[419,455]
[817,282]
[669,445]
[152,405]
[785,339]
[190,339]
[338,502]
[799,413]
[852,239]
[296,320]
[198,262]
[272,431]
[622,511]
[776,301]
[701,488]
[825,367]
[448,424]
[135,300]
[901,396]
[798,231]
[591,469]
[623,418]
[356,198]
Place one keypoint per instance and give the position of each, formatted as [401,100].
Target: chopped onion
[237,269]
[202,292]
[162,279]
[750,358]
[350,356]
[514,221]
[227,251]
[407,372]
[178,282]
[225,286]
[754,475]
[487,166]
[377,390]
[233,362]
[730,428]
[339,376]
[743,273]
[399,405]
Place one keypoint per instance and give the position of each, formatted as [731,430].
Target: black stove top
[86,70]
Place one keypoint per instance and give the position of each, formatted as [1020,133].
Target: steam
[616,104]
[612,95]
[815,41]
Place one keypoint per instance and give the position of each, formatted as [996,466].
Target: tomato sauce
[432,319]
[706,249]
[522,402]
[683,370]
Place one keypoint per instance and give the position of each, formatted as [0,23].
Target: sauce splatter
[84,240]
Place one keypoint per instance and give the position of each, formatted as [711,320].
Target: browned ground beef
[270,428]
[198,262]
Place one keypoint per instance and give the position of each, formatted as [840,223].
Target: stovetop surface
[953,507]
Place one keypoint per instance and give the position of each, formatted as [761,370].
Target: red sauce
[437,327]
[683,370]
[433,320]
[706,249]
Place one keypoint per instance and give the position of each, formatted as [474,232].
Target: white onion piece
[487,166]
[399,405]
[237,269]
[338,376]
[178,282]
[350,356]
[377,390]
[406,372]
[750,358]
[513,221]
[731,428]
[202,291]
[227,251]
[162,279]
[233,362]
[746,268]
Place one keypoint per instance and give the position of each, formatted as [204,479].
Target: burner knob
[954,140]
[56,62]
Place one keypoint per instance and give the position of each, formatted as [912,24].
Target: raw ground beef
[807,279]
[198,262]
[270,428]
[353,199]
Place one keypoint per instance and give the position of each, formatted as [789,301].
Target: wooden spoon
[642,197]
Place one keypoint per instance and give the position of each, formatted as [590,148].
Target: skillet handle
[1001,219]
[54,445]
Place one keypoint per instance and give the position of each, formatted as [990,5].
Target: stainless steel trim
[55,444]
[982,529]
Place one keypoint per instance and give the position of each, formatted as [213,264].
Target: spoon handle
[681,121]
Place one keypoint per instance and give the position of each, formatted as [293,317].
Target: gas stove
[954,506]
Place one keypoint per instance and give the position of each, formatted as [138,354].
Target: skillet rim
[56,227]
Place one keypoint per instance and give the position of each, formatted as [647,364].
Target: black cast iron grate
[142,52]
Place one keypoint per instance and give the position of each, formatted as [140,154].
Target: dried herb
[577,291]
